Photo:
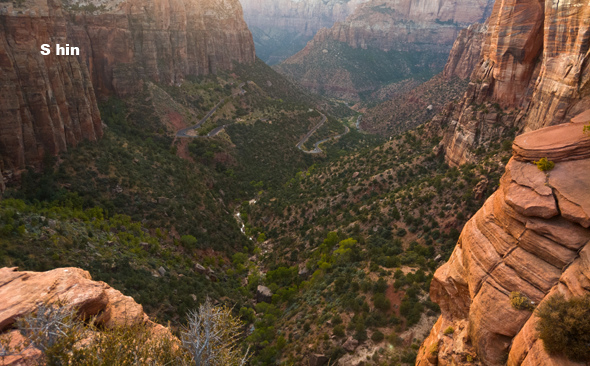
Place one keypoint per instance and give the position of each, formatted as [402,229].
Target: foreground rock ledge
[530,236]
[22,291]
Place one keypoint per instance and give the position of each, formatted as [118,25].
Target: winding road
[317,149]
[215,131]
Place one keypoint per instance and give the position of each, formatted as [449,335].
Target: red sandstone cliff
[534,66]
[48,103]
[405,25]
[163,40]
[466,52]
[531,236]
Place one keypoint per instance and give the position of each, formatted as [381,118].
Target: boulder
[317,359]
[22,291]
[200,269]
[263,294]
[350,345]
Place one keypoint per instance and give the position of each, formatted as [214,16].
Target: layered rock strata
[298,17]
[48,103]
[531,236]
[163,40]
[466,52]
[534,65]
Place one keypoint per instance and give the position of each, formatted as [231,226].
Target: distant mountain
[281,28]
[382,42]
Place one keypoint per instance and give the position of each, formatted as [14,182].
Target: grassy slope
[361,72]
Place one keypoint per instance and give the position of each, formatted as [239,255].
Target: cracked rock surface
[530,236]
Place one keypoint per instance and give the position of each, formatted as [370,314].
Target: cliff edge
[531,236]
[533,73]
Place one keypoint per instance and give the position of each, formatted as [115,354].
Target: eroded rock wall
[163,40]
[48,103]
[534,65]
[531,236]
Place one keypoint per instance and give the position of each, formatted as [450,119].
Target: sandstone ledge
[556,143]
[532,236]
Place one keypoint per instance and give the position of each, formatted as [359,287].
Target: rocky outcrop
[295,16]
[23,291]
[466,52]
[405,38]
[263,294]
[48,103]
[531,236]
[534,65]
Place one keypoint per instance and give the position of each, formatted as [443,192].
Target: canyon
[399,40]
[49,103]
[531,236]
[281,28]
[533,72]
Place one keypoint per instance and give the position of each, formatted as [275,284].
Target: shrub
[377,336]
[433,348]
[519,301]
[339,331]
[449,330]
[544,164]
[564,326]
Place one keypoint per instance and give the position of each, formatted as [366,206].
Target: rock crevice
[531,236]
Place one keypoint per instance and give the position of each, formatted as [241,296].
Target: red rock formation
[405,25]
[163,40]
[420,34]
[534,64]
[22,292]
[466,52]
[531,236]
[48,104]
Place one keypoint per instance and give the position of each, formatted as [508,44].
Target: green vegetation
[519,301]
[544,165]
[210,338]
[368,69]
[564,326]
[449,330]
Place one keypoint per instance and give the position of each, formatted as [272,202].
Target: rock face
[295,16]
[531,236]
[466,52]
[263,294]
[23,291]
[163,40]
[415,37]
[534,68]
[48,103]
[281,28]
